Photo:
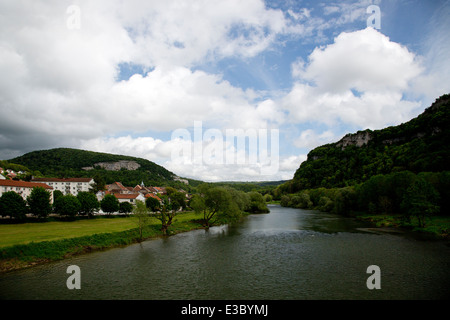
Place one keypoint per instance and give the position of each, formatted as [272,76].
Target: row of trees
[38,203]
[411,195]
[216,204]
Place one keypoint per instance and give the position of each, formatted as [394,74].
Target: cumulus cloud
[359,79]
[310,139]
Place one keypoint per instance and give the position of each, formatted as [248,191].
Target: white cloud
[365,60]
[207,158]
[360,80]
[310,139]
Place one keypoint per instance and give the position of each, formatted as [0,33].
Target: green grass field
[14,234]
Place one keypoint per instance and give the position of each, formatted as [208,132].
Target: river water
[288,254]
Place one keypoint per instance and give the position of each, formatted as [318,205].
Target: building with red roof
[23,188]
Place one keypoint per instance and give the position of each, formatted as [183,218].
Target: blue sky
[124,77]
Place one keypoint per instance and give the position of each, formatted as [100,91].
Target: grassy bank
[24,245]
[437,226]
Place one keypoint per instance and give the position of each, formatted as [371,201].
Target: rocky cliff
[115,166]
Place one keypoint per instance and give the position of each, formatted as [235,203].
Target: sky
[235,90]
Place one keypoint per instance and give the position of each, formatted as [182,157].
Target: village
[9,181]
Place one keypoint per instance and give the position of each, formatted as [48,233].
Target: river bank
[437,227]
[27,255]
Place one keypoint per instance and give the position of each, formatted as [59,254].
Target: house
[23,188]
[160,190]
[151,195]
[12,174]
[117,187]
[131,197]
[68,185]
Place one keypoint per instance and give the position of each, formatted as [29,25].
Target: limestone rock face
[358,139]
[116,166]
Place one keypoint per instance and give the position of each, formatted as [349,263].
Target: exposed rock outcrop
[358,139]
[116,166]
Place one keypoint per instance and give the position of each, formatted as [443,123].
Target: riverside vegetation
[70,226]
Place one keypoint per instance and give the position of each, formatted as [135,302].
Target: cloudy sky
[195,85]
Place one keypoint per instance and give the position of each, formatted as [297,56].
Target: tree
[99,184]
[344,200]
[257,203]
[67,205]
[88,203]
[125,207]
[420,200]
[268,197]
[109,204]
[219,204]
[178,199]
[152,204]
[13,205]
[140,211]
[39,202]
[197,203]
[57,194]
[167,213]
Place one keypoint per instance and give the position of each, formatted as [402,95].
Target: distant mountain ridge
[68,162]
[419,145]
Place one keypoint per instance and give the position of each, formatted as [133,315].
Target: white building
[23,188]
[68,185]
[131,198]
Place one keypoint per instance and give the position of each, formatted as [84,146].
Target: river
[288,254]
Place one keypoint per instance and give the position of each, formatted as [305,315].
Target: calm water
[287,254]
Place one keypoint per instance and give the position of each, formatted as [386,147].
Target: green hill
[419,145]
[66,162]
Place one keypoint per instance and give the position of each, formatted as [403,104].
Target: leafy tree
[325,204]
[197,203]
[140,211]
[241,198]
[125,207]
[56,195]
[67,205]
[420,200]
[344,201]
[167,213]
[39,202]
[220,205]
[152,204]
[257,203]
[178,200]
[88,203]
[109,204]
[99,183]
[268,197]
[13,205]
